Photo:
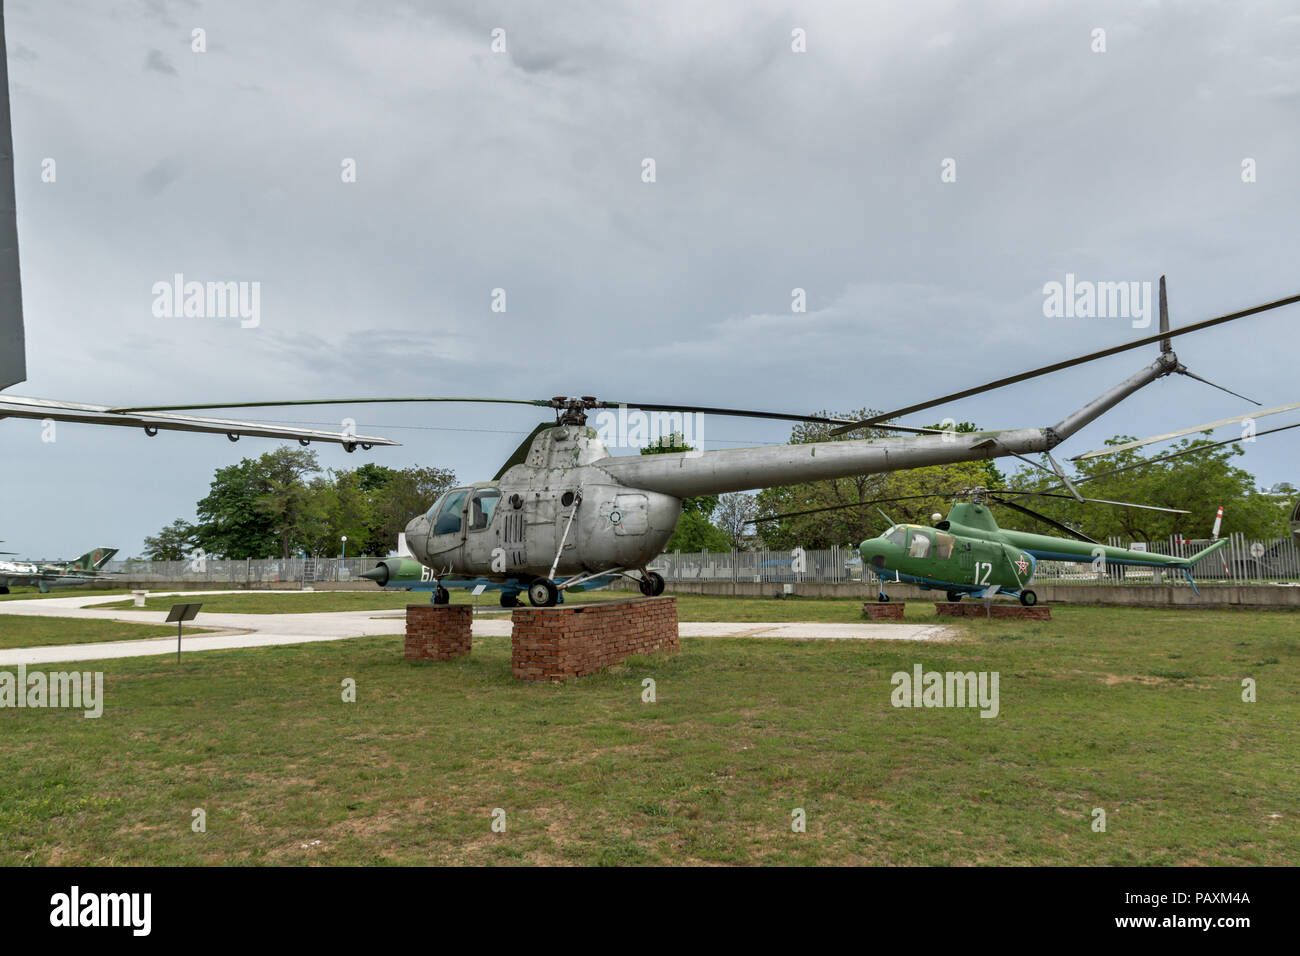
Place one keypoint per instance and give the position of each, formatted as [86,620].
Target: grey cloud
[159,176]
[159,62]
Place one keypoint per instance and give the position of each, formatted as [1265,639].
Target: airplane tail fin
[13,347]
[94,560]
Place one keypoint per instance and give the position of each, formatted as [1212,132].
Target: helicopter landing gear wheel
[652,585]
[509,599]
[954,596]
[1028,598]
[543,593]
[883,599]
[441,596]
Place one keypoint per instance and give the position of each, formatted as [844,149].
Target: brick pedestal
[1038,612]
[437,632]
[559,643]
[884,610]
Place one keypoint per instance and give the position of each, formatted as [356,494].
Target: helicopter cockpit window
[482,507]
[919,546]
[897,536]
[944,543]
[448,520]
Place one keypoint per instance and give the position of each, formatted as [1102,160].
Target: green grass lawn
[19,631]
[1134,711]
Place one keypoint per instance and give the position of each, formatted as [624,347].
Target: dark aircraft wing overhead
[11,406]
[13,352]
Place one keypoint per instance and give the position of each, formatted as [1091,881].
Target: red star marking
[1023,565]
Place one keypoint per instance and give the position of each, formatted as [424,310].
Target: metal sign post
[180,613]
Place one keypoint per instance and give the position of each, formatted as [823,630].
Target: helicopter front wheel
[441,596]
[884,598]
[1028,598]
[509,599]
[543,593]
[954,596]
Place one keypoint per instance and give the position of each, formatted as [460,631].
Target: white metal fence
[1240,561]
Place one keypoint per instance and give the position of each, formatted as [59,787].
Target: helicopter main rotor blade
[1046,520]
[1162,335]
[327,401]
[1208,426]
[536,402]
[777,416]
[1097,501]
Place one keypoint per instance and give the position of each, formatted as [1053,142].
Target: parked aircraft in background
[55,574]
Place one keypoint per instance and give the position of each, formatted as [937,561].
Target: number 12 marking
[988,569]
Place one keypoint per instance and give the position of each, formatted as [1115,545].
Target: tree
[733,514]
[175,542]
[281,503]
[295,513]
[1198,482]
[695,530]
[231,524]
[405,494]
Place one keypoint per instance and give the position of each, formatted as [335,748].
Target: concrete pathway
[265,630]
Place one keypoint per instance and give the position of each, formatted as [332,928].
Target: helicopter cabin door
[447,528]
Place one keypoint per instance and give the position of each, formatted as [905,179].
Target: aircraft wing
[12,406]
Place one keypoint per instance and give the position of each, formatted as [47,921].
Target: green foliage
[851,525]
[281,504]
[1198,482]
[295,513]
[175,542]
[695,529]
[231,524]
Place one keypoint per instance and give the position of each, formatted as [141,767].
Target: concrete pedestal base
[1018,612]
[883,610]
[438,632]
[560,643]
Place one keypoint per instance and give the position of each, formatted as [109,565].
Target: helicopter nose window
[920,545]
[448,520]
[898,536]
[482,508]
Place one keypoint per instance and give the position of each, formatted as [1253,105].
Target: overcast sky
[774,170]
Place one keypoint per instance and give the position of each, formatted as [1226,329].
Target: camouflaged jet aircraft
[45,575]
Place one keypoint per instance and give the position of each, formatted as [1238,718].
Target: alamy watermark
[81,690]
[638,429]
[76,908]
[1083,299]
[949,689]
[208,300]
